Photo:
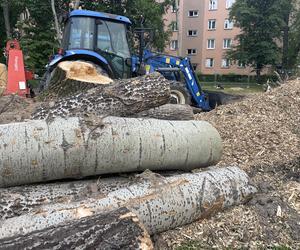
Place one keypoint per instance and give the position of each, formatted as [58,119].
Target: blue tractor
[102,39]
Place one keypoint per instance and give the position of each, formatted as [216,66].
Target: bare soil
[261,135]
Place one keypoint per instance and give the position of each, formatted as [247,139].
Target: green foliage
[261,23]
[38,34]
[294,38]
[151,10]
[38,40]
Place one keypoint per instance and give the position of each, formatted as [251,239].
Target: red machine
[17,75]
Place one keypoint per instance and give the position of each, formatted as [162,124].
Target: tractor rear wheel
[180,94]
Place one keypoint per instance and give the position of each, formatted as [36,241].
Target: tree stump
[73,77]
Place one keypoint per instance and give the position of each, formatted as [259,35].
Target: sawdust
[262,134]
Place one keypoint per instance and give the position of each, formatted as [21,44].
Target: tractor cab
[100,38]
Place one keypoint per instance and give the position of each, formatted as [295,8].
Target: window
[174,7]
[226,43]
[192,33]
[229,3]
[228,25]
[174,26]
[209,63]
[211,43]
[213,5]
[212,24]
[193,13]
[195,65]
[241,64]
[191,51]
[225,63]
[174,45]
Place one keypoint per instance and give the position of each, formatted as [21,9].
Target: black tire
[180,94]
[45,80]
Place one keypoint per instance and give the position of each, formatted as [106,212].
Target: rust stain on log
[210,209]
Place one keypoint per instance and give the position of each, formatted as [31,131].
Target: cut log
[122,98]
[119,229]
[169,112]
[72,77]
[3,78]
[160,203]
[38,151]
[16,201]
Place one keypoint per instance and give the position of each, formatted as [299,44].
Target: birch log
[16,201]
[160,203]
[37,151]
[121,98]
[169,112]
[118,229]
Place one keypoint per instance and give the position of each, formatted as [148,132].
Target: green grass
[190,245]
[239,89]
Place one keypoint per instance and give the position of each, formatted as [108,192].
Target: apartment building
[202,31]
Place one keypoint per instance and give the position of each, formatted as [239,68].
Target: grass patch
[239,89]
[190,245]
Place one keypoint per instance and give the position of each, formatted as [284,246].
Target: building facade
[201,30]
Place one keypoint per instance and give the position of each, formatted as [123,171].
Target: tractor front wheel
[179,94]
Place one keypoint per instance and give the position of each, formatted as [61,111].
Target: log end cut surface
[84,72]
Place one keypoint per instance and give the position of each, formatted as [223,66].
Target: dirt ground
[262,135]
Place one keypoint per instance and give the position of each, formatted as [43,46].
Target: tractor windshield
[91,33]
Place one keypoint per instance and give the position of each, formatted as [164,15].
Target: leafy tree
[261,23]
[151,10]
[294,37]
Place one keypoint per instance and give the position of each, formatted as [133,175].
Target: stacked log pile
[90,126]
[3,78]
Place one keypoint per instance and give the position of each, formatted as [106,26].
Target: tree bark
[121,98]
[16,201]
[160,203]
[169,112]
[5,7]
[75,148]
[56,23]
[119,229]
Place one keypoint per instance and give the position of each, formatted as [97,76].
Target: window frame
[223,66]
[192,35]
[210,21]
[224,43]
[194,11]
[176,45]
[229,24]
[211,63]
[209,42]
[193,52]
[213,5]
